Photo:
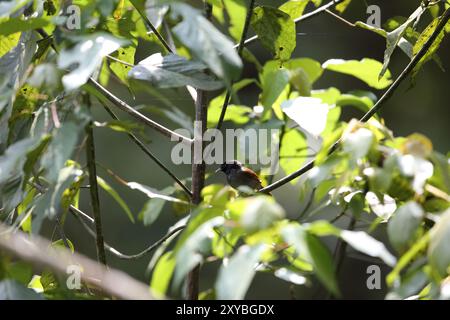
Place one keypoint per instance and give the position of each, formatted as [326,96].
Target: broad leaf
[236,274]
[309,113]
[206,43]
[173,71]
[403,226]
[309,247]
[438,253]
[366,70]
[87,55]
[393,38]
[276,31]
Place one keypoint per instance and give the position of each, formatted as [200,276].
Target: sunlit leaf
[276,31]
[366,70]
[87,55]
[236,274]
[173,71]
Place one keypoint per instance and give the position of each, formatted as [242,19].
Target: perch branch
[412,64]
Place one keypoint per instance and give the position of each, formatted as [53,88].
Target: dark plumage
[238,176]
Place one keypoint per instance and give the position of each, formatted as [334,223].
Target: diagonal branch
[412,64]
[104,93]
[304,17]
[240,47]
[152,27]
[142,146]
[39,252]
[136,114]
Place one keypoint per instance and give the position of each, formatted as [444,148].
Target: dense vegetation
[57,62]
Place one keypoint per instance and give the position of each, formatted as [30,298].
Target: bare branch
[152,27]
[95,201]
[78,214]
[136,114]
[39,252]
[412,64]
[142,146]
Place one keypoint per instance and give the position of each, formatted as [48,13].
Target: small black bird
[239,176]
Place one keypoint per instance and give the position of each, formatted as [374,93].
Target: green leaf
[274,81]
[237,11]
[393,38]
[13,68]
[294,8]
[173,71]
[438,253]
[293,151]
[12,290]
[314,252]
[358,143]
[341,7]
[364,243]
[309,113]
[61,244]
[276,31]
[163,273]
[60,149]
[290,276]
[192,251]
[403,226]
[366,70]
[423,38]
[152,193]
[206,43]
[113,193]
[153,207]
[121,70]
[403,44]
[256,213]
[18,24]
[87,54]
[235,277]
[362,100]
[8,43]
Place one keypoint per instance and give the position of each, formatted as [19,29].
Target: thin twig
[304,17]
[142,146]
[152,27]
[39,252]
[78,214]
[95,202]
[240,47]
[412,64]
[124,106]
[136,114]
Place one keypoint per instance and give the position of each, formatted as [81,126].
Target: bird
[239,176]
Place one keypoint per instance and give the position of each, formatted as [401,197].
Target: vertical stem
[198,167]
[95,202]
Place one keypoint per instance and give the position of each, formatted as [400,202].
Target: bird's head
[227,167]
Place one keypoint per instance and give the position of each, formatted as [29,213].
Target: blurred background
[423,109]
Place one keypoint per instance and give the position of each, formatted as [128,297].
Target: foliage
[399,185]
